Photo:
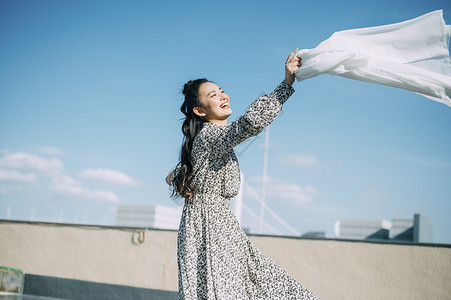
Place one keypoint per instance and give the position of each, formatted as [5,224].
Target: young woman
[216,259]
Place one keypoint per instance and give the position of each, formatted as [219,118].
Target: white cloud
[52,151]
[299,160]
[427,162]
[63,181]
[27,161]
[289,193]
[4,190]
[13,175]
[108,175]
[24,167]
[66,185]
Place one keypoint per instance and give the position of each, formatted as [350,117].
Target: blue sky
[90,97]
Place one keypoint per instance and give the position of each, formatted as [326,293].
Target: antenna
[264,179]
[238,204]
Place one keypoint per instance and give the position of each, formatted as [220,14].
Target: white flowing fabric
[411,55]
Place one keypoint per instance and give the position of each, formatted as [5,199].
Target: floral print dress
[216,259]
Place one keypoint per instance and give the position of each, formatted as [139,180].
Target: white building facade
[415,230]
[152,216]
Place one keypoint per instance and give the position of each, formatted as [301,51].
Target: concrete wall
[333,269]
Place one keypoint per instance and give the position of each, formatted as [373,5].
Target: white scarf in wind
[411,55]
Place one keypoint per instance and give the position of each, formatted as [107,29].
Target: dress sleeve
[259,115]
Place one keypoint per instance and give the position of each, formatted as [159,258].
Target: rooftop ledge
[145,258]
[133,228]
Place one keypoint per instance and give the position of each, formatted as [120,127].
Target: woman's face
[215,104]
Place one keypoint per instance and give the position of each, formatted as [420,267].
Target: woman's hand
[169,178]
[291,65]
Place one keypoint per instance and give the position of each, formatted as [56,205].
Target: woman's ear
[199,111]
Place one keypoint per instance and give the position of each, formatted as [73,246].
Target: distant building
[362,229]
[416,230]
[419,231]
[153,216]
[314,235]
[402,229]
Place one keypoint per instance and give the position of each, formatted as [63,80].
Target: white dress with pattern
[216,259]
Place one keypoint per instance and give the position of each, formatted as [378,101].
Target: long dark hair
[182,179]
